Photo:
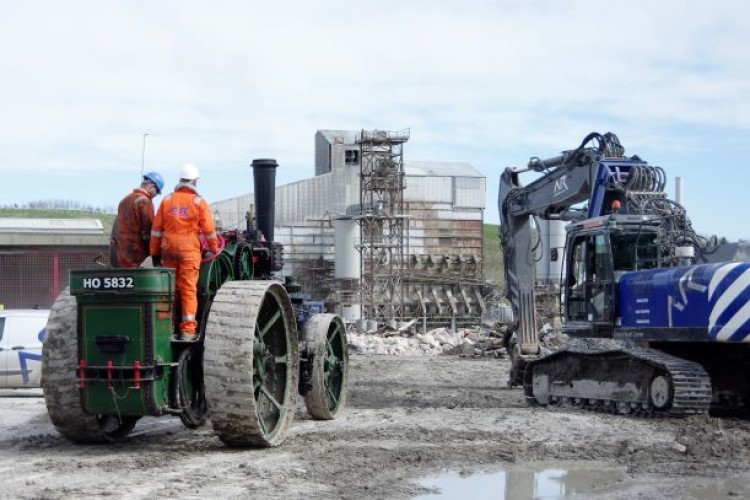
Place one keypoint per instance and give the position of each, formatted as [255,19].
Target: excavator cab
[590,285]
[599,252]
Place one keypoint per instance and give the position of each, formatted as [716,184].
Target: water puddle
[540,480]
[555,480]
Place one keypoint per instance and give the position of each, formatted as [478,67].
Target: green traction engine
[112,353]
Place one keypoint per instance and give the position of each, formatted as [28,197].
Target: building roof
[431,168]
[340,136]
[18,225]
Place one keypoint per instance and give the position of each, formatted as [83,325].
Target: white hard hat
[189,172]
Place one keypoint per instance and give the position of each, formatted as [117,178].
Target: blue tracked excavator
[655,327]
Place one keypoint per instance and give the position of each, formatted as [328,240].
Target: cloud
[491,82]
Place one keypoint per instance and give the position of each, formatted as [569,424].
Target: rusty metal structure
[382,223]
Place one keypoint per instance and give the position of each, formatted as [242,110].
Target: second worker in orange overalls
[135,215]
[181,217]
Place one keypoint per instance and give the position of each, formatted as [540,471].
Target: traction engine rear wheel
[60,382]
[251,367]
[327,396]
[190,391]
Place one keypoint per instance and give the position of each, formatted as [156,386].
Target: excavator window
[634,251]
[576,273]
[590,279]
[600,283]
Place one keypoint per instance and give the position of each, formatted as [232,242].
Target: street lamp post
[143,153]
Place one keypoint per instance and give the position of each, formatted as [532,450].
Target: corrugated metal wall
[325,195]
[443,236]
[34,278]
[445,215]
[429,189]
[230,214]
[322,154]
[454,198]
[457,192]
[468,192]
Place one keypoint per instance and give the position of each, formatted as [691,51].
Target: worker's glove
[208,255]
[156,260]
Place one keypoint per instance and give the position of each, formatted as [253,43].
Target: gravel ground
[408,417]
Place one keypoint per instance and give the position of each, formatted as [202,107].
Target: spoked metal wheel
[243,262]
[190,392]
[326,335]
[60,384]
[251,363]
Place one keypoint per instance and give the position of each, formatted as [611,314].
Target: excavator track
[638,381]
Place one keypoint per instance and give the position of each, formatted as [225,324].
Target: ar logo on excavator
[561,185]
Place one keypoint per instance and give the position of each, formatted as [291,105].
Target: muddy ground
[407,418]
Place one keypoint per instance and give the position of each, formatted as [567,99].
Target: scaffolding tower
[382,224]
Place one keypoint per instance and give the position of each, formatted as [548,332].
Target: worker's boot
[188,335]
[188,329]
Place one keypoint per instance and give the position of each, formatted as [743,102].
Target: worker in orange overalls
[181,217]
[135,215]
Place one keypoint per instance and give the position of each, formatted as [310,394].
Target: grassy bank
[493,255]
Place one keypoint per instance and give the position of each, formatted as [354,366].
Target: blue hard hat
[157,179]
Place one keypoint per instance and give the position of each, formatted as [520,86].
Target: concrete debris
[551,338]
[485,340]
[679,447]
[465,342]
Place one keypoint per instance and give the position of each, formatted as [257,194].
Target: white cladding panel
[465,192]
[325,195]
[230,214]
[552,236]
[469,192]
[346,254]
[432,168]
[455,214]
[293,195]
[429,189]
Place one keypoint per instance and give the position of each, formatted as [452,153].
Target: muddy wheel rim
[334,365]
[271,360]
[190,389]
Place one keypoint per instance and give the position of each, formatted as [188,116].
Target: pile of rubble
[484,340]
[477,341]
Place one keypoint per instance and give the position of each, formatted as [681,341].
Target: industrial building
[36,255]
[379,238]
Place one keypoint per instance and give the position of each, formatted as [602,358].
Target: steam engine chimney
[264,180]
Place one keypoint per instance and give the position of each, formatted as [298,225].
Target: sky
[489,82]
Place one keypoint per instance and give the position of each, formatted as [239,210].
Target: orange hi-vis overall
[135,215]
[181,217]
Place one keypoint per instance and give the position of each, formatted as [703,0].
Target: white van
[22,332]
